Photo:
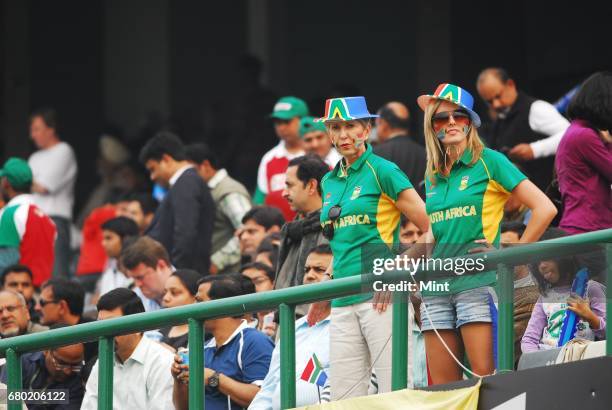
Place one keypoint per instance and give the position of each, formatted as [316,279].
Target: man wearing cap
[271,174]
[524,128]
[396,146]
[317,142]
[25,230]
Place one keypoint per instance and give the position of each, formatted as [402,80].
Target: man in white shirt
[141,379]
[54,168]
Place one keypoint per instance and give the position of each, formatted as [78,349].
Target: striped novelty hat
[346,109]
[454,94]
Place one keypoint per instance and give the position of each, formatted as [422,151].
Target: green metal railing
[286,300]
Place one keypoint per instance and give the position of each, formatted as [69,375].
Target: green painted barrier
[287,299]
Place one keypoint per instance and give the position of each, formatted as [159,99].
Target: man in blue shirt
[236,359]
[308,340]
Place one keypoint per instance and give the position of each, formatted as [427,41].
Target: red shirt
[93,258]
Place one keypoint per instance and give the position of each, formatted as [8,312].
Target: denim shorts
[454,311]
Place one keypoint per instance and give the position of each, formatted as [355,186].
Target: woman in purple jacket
[584,158]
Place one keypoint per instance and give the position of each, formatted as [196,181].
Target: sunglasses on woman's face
[441,119]
[333,214]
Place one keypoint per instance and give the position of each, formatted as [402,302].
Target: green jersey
[469,205]
[369,221]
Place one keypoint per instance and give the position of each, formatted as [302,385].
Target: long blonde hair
[435,150]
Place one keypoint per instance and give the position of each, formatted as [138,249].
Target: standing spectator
[236,359]
[181,289]
[258,222]
[14,315]
[140,371]
[271,173]
[464,175]
[114,233]
[55,170]
[303,193]
[232,202]
[25,229]
[363,198]
[526,129]
[316,141]
[141,208]
[148,264]
[584,158]
[394,143]
[183,222]
[53,369]
[19,279]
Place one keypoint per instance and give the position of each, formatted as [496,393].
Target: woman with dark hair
[584,158]
[555,278]
[181,289]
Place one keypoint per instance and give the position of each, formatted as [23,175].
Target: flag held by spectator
[314,372]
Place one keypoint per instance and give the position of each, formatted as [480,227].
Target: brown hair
[144,250]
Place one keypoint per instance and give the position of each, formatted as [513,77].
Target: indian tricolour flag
[314,372]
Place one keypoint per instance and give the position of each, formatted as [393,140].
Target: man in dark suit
[396,146]
[183,222]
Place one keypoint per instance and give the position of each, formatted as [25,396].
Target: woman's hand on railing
[381,300]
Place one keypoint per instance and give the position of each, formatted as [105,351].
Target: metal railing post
[505,318]
[196,364]
[13,364]
[399,341]
[287,354]
[106,353]
[608,296]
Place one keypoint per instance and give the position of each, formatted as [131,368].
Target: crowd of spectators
[206,237]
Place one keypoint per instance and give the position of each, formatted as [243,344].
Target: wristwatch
[213,381]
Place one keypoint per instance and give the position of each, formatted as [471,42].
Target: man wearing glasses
[14,315]
[53,369]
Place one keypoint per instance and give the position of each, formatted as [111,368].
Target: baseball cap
[17,171]
[308,124]
[289,107]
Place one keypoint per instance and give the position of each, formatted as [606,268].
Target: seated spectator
[309,340]
[148,264]
[232,202]
[409,232]
[555,279]
[267,251]
[141,208]
[260,274]
[92,258]
[236,359]
[256,224]
[53,369]
[14,316]
[62,301]
[140,371]
[262,277]
[181,289]
[27,234]
[317,142]
[19,279]
[114,231]
[526,291]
